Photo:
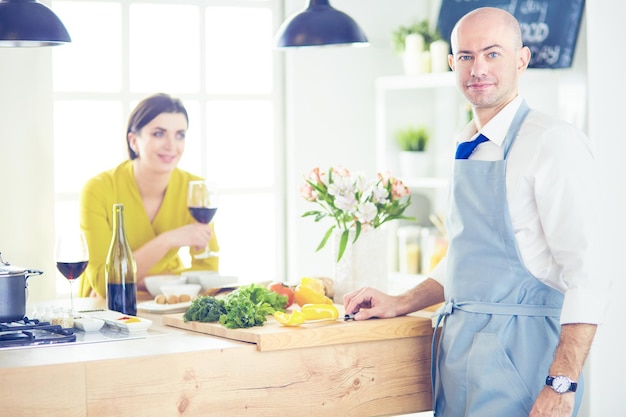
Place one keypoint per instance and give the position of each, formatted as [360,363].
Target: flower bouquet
[354,201]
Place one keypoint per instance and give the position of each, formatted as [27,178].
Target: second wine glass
[72,257]
[202,204]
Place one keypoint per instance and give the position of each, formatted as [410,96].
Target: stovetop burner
[31,332]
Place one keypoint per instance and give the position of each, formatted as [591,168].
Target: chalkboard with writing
[549,27]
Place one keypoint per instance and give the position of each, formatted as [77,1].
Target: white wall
[26,165]
[607,90]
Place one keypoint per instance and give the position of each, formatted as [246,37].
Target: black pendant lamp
[320,25]
[25,23]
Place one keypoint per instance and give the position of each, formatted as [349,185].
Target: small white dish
[155,282]
[122,321]
[88,324]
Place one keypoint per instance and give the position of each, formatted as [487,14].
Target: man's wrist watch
[561,384]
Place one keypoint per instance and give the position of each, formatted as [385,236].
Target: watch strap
[572,385]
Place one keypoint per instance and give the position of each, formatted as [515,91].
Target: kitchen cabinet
[175,372]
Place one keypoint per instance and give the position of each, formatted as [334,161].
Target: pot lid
[11,270]
[6,269]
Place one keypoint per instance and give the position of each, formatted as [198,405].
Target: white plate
[88,324]
[153,307]
[208,279]
[113,319]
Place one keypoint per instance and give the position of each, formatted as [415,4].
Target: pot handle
[32,272]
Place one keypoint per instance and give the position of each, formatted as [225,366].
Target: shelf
[420,81]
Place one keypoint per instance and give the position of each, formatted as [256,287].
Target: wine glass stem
[72,298]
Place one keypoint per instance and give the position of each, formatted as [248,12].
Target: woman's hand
[196,235]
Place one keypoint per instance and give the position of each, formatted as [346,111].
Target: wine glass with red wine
[72,257]
[202,203]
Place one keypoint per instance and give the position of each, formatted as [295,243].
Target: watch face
[561,384]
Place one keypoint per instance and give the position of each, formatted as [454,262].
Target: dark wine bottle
[120,269]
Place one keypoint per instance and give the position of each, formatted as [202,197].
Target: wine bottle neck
[118,221]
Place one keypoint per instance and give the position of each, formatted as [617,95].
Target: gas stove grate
[33,332]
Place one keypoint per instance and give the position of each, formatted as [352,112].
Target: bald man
[521,301]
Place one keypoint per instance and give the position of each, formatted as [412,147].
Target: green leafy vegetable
[247,306]
[205,309]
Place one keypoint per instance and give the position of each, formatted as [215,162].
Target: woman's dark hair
[148,109]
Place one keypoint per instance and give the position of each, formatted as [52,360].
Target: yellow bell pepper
[314,283]
[305,294]
[320,312]
[296,318]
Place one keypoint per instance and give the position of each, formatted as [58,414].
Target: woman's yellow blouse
[118,186]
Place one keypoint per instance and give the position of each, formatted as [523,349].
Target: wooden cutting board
[274,336]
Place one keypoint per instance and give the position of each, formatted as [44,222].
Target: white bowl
[191,290]
[155,282]
[208,279]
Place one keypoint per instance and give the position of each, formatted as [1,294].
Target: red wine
[203,214]
[71,270]
[122,298]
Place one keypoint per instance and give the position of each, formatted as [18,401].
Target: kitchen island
[176,372]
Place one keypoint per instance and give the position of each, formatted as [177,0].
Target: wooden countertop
[177,372]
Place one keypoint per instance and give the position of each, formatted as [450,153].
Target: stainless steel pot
[13,290]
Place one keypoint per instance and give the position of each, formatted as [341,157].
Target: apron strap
[516,124]
[498,309]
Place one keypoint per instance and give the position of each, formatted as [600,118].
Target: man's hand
[569,358]
[551,404]
[369,302]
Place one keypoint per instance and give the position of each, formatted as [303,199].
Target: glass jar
[409,249]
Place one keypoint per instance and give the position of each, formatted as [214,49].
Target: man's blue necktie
[465,149]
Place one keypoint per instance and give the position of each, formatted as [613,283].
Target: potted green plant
[413,139]
[413,42]
[422,28]
[413,158]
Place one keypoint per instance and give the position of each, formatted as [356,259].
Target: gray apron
[500,324]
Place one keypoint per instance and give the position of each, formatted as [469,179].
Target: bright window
[219,59]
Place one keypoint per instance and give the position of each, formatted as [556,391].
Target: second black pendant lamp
[319,25]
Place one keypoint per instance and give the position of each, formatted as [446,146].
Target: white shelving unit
[433,100]
[429,100]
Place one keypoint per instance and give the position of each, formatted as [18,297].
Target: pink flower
[341,171]
[308,193]
[398,190]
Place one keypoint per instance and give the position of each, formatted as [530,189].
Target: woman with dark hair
[153,191]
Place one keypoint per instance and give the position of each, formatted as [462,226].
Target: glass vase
[363,264]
